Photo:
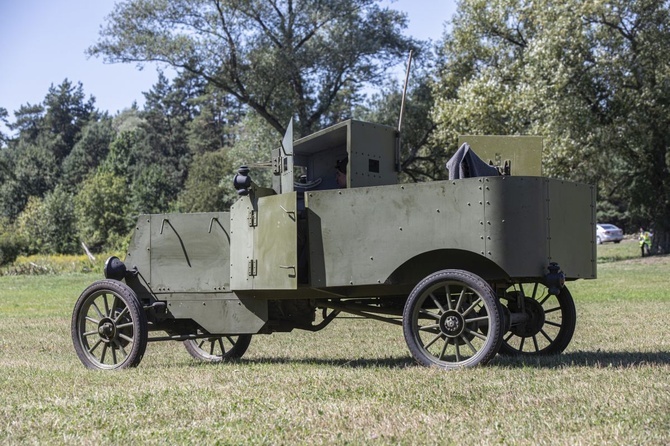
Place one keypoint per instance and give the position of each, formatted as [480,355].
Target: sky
[43,42]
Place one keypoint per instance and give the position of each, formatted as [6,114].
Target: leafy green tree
[91,149]
[591,76]
[11,244]
[67,113]
[215,124]
[128,154]
[101,208]
[151,180]
[59,223]
[279,58]
[206,188]
[167,111]
[34,172]
[29,225]
[45,134]
[154,190]
[47,225]
[28,122]
[5,166]
[128,120]
[4,139]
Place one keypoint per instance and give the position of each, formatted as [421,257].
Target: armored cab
[469,267]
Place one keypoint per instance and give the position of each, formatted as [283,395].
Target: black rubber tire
[550,331]
[109,327]
[214,349]
[462,331]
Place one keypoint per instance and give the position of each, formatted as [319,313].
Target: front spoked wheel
[218,348]
[452,319]
[109,326]
[549,323]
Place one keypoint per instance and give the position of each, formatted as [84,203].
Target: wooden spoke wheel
[550,320]
[452,319]
[218,348]
[109,326]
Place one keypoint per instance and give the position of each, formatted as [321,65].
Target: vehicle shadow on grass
[596,359]
[390,363]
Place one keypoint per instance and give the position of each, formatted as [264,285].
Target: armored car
[469,267]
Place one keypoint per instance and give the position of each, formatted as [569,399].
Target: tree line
[592,77]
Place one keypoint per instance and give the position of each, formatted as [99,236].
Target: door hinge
[253,218]
[276,165]
[253,268]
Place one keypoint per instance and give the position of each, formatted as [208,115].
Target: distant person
[341,172]
[645,242]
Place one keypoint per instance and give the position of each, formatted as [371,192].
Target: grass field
[352,383]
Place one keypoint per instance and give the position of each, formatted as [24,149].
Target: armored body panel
[371,150]
[184,260]
[498,227]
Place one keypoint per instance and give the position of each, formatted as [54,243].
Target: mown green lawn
[352,383]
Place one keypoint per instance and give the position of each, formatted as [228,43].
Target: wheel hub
[451,323]
[107,330]
[535,320]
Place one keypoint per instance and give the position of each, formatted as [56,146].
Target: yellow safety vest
[645,239]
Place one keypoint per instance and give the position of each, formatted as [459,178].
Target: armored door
[264,243]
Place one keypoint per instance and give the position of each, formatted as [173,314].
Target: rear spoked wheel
[109,326]
[452,319]
[549,325]
[218,348]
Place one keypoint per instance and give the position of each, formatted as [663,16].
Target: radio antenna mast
[402,112]
[404,91]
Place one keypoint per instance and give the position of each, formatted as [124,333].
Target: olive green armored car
[469,267]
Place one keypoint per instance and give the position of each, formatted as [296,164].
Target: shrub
[11,244]
[10,247]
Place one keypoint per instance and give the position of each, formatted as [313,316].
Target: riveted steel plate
[190,252]
[361,236]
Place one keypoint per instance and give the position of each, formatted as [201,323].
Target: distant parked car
[608,233]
